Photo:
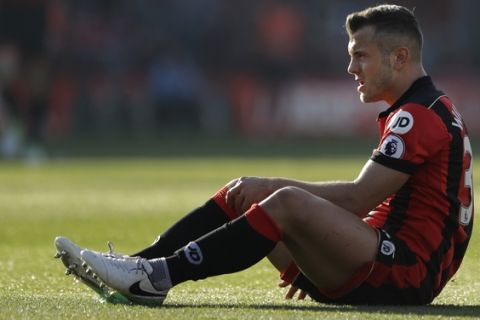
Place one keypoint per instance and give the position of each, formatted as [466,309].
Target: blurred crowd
[147,68]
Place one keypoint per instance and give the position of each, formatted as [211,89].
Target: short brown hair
[388,19]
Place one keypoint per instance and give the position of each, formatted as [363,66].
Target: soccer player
[394,235]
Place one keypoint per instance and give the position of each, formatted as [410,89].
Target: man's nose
[352,67]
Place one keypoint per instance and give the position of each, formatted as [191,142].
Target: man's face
[370,67]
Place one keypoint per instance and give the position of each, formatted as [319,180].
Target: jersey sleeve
[411,135]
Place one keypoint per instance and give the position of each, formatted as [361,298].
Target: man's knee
[288,196]
[285,205]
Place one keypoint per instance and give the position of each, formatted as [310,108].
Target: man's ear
[399,57]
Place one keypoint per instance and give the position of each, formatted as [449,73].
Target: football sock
[214,213]
[159,277]
[232,247]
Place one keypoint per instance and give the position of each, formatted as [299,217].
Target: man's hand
[292,291]
[245,191]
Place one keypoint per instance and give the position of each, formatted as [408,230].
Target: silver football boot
[70,255]
[131,276]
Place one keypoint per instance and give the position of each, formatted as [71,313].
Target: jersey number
[466,207]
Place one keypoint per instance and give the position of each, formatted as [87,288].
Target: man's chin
[364,98]
[368,99]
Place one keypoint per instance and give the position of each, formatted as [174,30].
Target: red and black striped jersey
[424,135]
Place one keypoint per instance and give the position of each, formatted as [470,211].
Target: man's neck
[404,83]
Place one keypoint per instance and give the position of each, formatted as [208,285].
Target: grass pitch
[130,202]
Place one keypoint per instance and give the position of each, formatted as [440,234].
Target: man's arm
[374,183]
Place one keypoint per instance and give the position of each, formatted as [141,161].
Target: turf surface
[131,201]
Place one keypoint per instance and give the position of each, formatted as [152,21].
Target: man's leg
[328,243]
[210,216]
[280,257]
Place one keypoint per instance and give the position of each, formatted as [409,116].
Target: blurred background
[115,74]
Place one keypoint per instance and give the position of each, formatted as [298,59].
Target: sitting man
[394,235]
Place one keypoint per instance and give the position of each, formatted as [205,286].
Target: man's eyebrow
[354,49]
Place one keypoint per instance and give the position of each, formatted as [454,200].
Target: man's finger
[302,295]
[291,292]
[231,196]
[239,199]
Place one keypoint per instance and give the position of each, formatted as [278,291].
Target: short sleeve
[412,135]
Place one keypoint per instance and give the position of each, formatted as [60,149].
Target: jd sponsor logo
[193,253]
[401,122]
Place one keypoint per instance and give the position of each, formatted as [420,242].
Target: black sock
[235,246]
[200,221]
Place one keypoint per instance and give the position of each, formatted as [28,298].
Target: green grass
[130,202]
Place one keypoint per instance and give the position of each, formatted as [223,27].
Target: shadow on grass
[432,310]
